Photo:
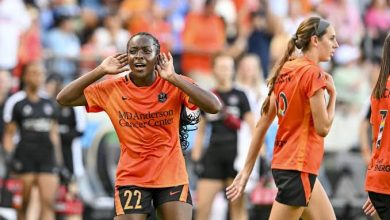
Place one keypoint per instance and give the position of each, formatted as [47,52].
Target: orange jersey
[297,145]
[378,172]
[146,120]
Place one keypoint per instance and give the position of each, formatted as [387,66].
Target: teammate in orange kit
[378,171]
[297,97]
[145,107]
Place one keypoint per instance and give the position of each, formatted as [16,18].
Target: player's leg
[173,203]
[47,186]
[28,180]
[281,211]
[381,203]
[237,209]
[319,205]
[175,210]
[132,203]
[294,192]
[206,191]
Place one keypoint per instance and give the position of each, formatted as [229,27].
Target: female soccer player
[145,107]
[378,171]
[37,154]
[297,97]
[217,162]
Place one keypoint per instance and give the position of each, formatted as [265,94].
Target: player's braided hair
[187,120]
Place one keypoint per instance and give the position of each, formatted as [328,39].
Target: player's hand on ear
[165,66]
[115,64]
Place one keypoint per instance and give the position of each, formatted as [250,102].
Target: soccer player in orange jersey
[297,97]
[378,171]
[145,108]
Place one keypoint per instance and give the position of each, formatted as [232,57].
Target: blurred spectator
[14,20]
[215,166]
[296,15]
[136,14]
[350,79]
[176,11]
[203,36]
[250,79]
[30,48]
[89,56]
[377,20]
[345,17]
[63,48]
[161,28]
[111,38]
[279,42]
[90,21]
[262,29]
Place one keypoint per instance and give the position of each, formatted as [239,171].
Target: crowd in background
[72,37]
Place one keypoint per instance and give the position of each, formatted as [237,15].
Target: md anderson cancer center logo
[143,120]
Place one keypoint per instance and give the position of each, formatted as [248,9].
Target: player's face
[34,76]
[223,69]
[142,56]
[327,44]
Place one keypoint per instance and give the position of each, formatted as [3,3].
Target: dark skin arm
[73,93]
[204,99]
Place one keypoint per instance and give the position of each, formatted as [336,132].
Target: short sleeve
[94,96]
[313,80]
[185,98]
[10,112]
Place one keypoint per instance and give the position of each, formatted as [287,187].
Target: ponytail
[380,86]
[301,40]
[272,79]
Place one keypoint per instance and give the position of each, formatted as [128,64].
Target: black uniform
[34,151]
[71,126]
[218,160]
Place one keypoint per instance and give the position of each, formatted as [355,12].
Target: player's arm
[196,152]
[259,136]
[250,120]
[73,93]
[237,187]
[323,114]
[55,139]
[202,98]
[9,132]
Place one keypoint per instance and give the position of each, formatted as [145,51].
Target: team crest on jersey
[233,100]
[282,104]
[47,109]
[162,97]
[27,110]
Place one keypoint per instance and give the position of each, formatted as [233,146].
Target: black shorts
[34,159]
[294,187]
[218,163]
[138,200]
[381,203]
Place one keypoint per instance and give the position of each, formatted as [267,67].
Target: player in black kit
[215,167]
[33,116]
